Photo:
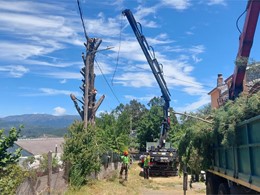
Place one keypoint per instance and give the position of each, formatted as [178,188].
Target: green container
[241,161]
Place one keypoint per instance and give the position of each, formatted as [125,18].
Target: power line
[107,82]
[179,79]
[119,47]
[200,85]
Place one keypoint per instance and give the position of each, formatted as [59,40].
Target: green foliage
[7,142]
[118,125]
[149,126]
[194,144]
[82,150]
[196,137]
[232,113]
[241,61]
[11,175]
[28,161]
[114,132]
[10,178]
[253,72]
[44,162]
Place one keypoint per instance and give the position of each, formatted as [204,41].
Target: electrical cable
[107,82]
[199,85]
[180,79]
[119,47]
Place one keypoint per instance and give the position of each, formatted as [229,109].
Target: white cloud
[21,51]
[130,50]
[138,79]
[63,75]
[59,111]
[177,4]
[189,33]
[141,99]
[27,6]
[103,26]
[142,12]
[49,92]
[217,2]
[177,71]
[197,49]
[203,100]
[57,64]
[16,71]
[194,90]
[104,66]
[196,59]
[35,29]
[63,81]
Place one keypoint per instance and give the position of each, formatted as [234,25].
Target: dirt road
[170,186]
[137,185]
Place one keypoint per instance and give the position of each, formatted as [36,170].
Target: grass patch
[114,186]
[135,185]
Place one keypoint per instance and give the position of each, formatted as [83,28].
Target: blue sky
[41,44]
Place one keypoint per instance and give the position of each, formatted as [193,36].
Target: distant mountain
[38,125]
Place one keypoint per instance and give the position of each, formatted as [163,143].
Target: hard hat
[125,153]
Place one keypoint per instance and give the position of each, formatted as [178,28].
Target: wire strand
[239,19]
[119,48]
[200,85]
[107,82]
[82,21]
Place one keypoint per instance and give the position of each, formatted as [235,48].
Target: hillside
[37,125]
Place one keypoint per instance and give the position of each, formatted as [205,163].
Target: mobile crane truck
[236,169]
[164,159]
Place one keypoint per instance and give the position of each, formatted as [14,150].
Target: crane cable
[239,19]
[119,47]
[82,21]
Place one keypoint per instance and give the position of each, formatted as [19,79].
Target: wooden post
[49,172]
[185,179]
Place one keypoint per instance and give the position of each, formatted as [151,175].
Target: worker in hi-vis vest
[125,165]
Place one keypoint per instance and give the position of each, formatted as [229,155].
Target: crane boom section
[156,69]
[245,43]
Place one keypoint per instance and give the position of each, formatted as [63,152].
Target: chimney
[219,80]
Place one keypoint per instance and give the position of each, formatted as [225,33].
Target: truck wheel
[223,189]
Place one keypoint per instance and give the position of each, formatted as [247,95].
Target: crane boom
[245,43]
[157,71]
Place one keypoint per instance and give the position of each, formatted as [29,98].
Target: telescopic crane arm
[157,71]
[245,43]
